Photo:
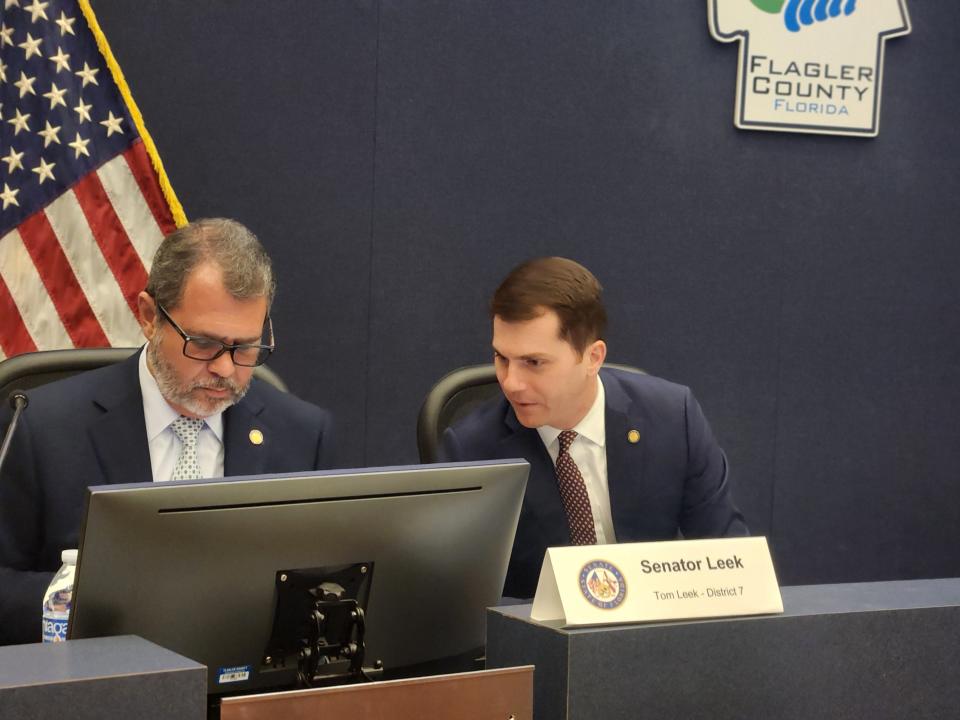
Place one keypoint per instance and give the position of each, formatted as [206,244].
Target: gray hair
[246,267]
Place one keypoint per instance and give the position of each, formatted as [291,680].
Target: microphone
[18,401]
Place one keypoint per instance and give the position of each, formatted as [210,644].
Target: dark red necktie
[573,492]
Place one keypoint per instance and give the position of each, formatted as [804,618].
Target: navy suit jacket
[89,430]
[673,481]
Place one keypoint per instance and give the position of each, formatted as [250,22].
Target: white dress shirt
[589,452]
[164,444]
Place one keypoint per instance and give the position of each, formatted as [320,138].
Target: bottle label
[55,626]
[56,608]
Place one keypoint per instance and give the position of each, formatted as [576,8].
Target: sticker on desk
[673,580]
[233,674]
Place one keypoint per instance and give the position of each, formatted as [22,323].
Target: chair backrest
[31,370]
[456,395]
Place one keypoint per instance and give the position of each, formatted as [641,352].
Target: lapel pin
[256,437]
[633,436]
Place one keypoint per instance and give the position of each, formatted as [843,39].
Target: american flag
[84,202]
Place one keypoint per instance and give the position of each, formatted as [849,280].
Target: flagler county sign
[810,66]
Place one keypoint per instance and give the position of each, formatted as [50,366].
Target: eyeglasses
[198,347]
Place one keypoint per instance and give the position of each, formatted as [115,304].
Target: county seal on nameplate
[640,582]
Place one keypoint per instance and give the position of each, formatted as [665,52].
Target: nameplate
[641,582]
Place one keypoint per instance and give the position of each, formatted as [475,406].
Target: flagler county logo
[812,66]
[602,584]
[806,12]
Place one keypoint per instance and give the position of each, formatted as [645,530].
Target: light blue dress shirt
[164,444]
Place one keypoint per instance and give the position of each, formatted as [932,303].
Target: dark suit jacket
[673,481]
[89,430]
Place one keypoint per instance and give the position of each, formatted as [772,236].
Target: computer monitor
[193,565]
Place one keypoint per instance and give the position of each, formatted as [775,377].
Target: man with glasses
[185,407]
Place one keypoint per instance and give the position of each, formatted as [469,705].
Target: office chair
[456,395]
[30,370]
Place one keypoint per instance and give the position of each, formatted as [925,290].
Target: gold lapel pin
[633,436]
[256,437]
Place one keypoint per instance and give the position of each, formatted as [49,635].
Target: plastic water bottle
[57,601]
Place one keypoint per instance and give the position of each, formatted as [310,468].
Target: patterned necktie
[188,430]
[573,492]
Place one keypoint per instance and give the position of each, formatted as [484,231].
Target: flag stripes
[38,313]
[61,282]
[151,196]
[71,273]
[112,238]
[15,333]
[91,270]
[85,201]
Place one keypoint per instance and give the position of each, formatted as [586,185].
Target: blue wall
[399,157]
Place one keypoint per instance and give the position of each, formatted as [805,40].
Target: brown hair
[558,284]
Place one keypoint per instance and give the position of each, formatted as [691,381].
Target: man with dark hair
[185,407]
[615,456]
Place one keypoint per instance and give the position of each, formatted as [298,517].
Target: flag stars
[44,171]
[60,59]
[79,146]
[19,121]
[112,124]
[88,75]
[55,96]
[14,160]
[25,84]
[82,111]
[9,196]
[49,134]
[37,9]
[66,24]
[6,35]
[10,3]
[31,46]
[3,72]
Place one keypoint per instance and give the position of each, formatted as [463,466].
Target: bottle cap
[69,557]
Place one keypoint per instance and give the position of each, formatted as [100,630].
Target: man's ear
[596,353]
[147,315]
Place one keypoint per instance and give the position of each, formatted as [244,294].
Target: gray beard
[176,394]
